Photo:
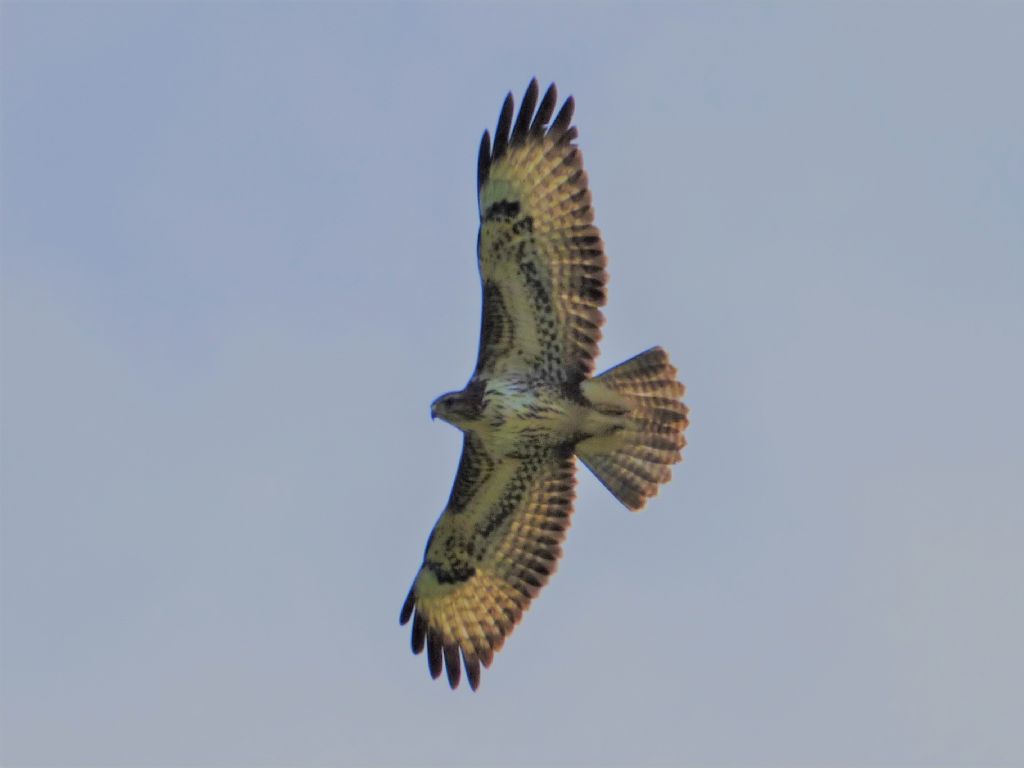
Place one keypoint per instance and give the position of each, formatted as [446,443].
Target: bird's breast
[517,418]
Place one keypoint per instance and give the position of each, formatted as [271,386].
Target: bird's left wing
[542,261]
[493,548]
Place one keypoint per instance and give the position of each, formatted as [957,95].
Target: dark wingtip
[525,112]
[527,123]
[564,119]
[453,664]
[544,112]
[419,633]
[407,606]
[472,670]
[502,130]
[483,163]
[434,662]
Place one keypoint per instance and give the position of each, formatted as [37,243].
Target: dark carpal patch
[502,209]
[452,571]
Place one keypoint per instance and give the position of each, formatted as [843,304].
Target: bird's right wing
[493,548]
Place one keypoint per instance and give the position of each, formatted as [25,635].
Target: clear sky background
[238,264]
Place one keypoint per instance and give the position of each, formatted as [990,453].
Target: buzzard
[531,406]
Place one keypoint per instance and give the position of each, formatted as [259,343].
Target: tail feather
[634,460]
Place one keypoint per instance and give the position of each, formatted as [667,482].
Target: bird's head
[457,408]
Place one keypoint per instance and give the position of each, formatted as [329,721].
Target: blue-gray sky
[238,264]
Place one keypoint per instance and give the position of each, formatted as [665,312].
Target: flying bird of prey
[531,406]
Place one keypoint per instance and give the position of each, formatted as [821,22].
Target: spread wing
[541,258]
[493,548]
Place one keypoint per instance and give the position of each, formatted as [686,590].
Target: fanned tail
[634,460]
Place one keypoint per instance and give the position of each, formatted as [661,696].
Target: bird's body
[517,415]
[531,407]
